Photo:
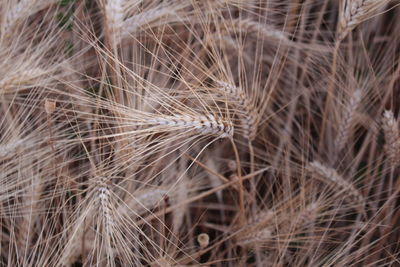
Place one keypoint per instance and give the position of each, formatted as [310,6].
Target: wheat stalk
[354,12]
[392,137]
[347,120]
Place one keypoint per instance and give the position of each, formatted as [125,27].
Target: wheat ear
[180,194]
[248,118]
[154,17]
[392,137]
[259,229]
[21,79]
[31,200]
[15,13]
[10,149]
[255,237]
[347,119]
[203,124]
[144,19]
[106,210]
[265,31]
[305,216]
[104,196]
[332,177]
[354,12]
[142,200]
[114,14]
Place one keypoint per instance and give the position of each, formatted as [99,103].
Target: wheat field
[168,133]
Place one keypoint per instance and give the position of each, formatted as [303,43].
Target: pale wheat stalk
[347,120]
[392,137]
[354,12]
[249,115]
[330,176]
